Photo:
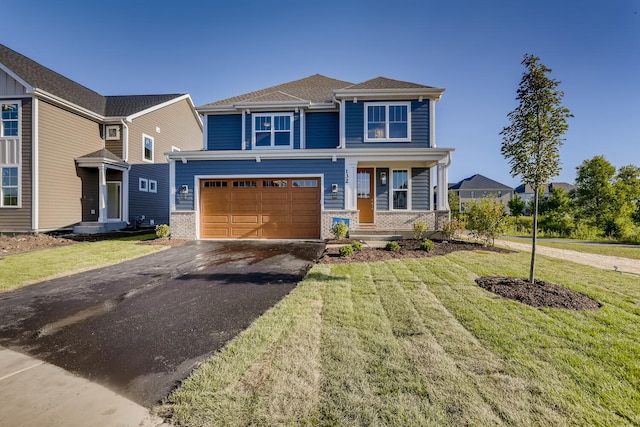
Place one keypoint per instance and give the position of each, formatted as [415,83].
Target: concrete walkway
[35,393]
[623,265]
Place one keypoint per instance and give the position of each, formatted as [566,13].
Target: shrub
[486,219]
[427,245]
[162,231]
[346,250]
[392,246]
[584,231]
[452,229]
[419,230]
[357,246]
[340,230]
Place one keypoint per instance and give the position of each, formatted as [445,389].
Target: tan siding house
[72,158]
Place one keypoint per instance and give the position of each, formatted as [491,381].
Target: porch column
[125,196]
[350,184]
[102,193]
[443,185]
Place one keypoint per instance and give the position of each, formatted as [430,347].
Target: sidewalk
[623,265]
[35,393]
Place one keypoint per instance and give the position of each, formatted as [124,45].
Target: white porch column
[125,196]
[443,185]
[350,183]
[102,193]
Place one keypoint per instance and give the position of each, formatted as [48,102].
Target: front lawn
[26,268]
[417,342]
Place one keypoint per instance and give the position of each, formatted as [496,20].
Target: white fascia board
[381,154]
[63,102]
[94,162]
[409,93]
[17,78]
[165,104]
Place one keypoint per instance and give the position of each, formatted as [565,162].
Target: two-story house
[286,161]
[478,186]
[72,158]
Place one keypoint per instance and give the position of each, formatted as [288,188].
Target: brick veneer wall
[327,217]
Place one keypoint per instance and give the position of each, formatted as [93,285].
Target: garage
[260,208]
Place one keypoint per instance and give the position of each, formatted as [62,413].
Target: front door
[365,195]
[113,201]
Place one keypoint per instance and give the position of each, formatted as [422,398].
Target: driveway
[140,327]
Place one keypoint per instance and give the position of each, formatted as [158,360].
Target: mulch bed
[409,248]
[540,294]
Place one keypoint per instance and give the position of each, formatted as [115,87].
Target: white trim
[125,141]
[272,145]
[172,187]
[18,159]
[119,218]
[124,193]
[243,131]
[387,138]
[27,87]
[175,149]
[108,128]
[303,138]
[392,190]
[153,186]
[35,165]
[432,123]
[165,104]
[153,147]
[406,93]
[143,184]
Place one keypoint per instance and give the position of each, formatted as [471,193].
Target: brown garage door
[267,208]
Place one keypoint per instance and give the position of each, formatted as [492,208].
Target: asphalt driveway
[140,327]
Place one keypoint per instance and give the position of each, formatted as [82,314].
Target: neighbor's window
[143,184]
[401,189]
[147,148]
[9,187]
[387,122]
[272,130]
[153,186]
[9,120]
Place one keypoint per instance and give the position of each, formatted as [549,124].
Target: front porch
[95,227]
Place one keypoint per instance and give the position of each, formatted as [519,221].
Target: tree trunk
[535,236]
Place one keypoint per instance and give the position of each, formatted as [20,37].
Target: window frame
[272,145]
[143,184]
[3,187]
[144,138]
[3,121]
[152,186]
[110,128]
[394,190]
[387,138]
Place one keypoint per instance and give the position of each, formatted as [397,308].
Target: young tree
[454,204]
[532,141]
[486,219]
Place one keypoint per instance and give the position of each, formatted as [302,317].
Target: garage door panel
[276,196]
[245,232]
[244,219]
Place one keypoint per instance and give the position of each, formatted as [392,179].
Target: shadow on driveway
[140,327]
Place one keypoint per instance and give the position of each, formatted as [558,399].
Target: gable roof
[479,182]
[385,83]
[316,89]
[41,78]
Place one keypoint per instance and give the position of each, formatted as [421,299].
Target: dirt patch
[10,245]
[409,248]
[540,294]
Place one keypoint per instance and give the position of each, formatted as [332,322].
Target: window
[304,183]
[143,184]
[272,130]
[275,183]
[387,122]
[153,186]
[9,120]
[239,184]
[400,189]
[9,187]
[147,148]
[113,132]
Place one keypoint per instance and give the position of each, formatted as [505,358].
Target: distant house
[526,192]
[478,186]
[288,160]
[72,158]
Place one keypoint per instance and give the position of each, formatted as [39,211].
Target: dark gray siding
[322,130]
[152,205]
[420,189]
[333,174]
[89,201]
[19,219]
[382,191]
[354,126]
[224,132]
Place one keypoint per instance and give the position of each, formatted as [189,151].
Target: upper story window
[9,120]
[272,130]
[387,122]
[147,148]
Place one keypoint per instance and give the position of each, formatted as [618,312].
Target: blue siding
[296,130]
[322,130]
[152,205]
[333,174]
[224,132]
[420,187]
[354,126]
[382,191]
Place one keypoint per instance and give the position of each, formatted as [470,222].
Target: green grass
[27,268]
[605,249]
[416,342]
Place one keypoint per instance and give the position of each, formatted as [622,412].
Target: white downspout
[432,123]
[102,194]
[342,143]
[35,175]
[243,143]
[125,140]
[303,139]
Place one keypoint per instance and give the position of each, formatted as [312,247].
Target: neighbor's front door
[113,200]
[365,195]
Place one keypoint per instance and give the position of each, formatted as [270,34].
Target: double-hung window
[9,154]
[9,120]
[9,186]
[400,179]
[387,122]
[273,130]
[147,148]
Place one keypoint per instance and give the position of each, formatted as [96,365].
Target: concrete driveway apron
[140,327]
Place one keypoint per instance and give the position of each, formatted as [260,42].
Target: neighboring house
[69,155]
[526,192]
[287,161]
[478,186]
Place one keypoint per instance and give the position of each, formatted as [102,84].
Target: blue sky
[213,50]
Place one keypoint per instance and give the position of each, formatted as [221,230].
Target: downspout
[432,124]
[341,123]
[35,175]
[125,140]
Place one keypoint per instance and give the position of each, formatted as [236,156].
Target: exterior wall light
[383,178]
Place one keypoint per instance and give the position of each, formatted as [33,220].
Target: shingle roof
[478,182]
[527,189]
[41,77]
[316,89]
[101,154]
[385,83]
